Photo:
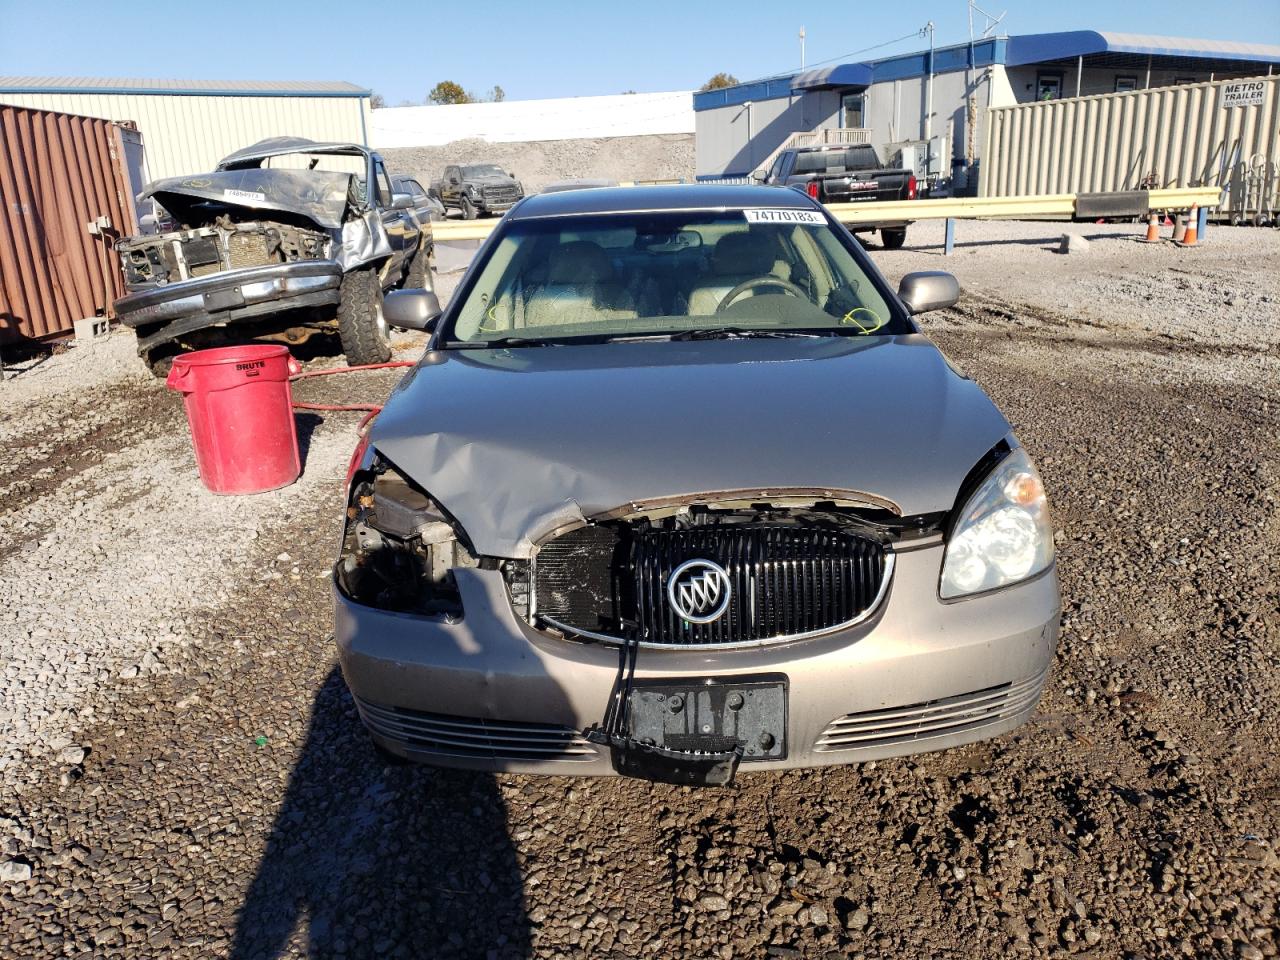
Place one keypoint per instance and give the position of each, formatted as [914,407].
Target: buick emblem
[699,591]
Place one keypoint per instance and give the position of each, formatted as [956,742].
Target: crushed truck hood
[318,195]
[517,442]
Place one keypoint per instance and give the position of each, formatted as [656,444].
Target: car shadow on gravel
[369,860]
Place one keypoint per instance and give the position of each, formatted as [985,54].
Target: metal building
[931,107]
[188,125]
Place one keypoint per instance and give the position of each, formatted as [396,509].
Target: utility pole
[928,100]
[802,48]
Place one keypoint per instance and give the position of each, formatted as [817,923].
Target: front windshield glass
[616,276]
[483,170]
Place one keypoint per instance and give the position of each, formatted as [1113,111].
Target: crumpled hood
[515,443]
[321,196]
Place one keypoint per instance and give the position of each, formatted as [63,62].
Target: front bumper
[227,297]
[491,693]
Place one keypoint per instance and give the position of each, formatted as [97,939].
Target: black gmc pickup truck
[845,173]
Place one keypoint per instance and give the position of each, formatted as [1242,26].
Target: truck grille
[247,250]
[499,193]
[787,580]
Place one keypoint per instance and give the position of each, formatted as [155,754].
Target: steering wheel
[768,280]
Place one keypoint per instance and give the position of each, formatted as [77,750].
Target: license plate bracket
[700,715]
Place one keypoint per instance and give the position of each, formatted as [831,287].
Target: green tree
[720,81]
[446,91]
[497,94]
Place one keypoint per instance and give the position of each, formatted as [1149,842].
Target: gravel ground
[221,799]
[540,162]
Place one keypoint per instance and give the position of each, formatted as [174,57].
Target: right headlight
[1003,534]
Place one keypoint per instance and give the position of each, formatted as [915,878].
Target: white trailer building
[934,104]
[189,125]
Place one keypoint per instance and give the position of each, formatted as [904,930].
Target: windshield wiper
[505,342]
[740,333]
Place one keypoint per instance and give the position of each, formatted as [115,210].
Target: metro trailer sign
[1247,93]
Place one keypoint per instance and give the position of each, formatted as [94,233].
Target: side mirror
[928,290]
[411,309]
[401,201]
[759,176]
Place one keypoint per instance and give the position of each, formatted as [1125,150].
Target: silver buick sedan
[680,489]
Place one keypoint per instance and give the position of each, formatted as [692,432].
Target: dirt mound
[540,162]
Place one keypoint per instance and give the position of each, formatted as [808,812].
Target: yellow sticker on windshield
[869,322]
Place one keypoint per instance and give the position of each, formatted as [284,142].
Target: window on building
[1182,80]
[1049,86]
[1126,84]
[853,106]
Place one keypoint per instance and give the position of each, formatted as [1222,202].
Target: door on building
[1049,86]
[853,110]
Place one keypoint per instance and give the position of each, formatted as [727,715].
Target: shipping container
[1225,133]
[65,197]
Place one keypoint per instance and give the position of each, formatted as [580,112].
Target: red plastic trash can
[240,410]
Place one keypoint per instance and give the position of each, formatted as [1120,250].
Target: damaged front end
[730,571]
[400,549]
[151,261]
[248,246]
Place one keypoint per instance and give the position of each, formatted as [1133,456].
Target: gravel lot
[184,774]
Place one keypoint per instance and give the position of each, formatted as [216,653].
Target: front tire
[468,209]
[361,327]
[418,277]
[893,239]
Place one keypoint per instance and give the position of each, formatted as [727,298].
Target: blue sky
[551,49]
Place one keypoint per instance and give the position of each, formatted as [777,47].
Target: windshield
[836,161]
[737,272]
[483,170]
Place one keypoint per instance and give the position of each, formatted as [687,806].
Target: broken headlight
[399,549]
[1003,534]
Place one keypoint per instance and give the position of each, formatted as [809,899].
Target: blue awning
[840,75]
[1042,47]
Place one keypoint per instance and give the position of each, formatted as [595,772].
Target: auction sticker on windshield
[240,196]
[784,216]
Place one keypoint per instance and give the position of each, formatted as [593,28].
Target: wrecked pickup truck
[284,240]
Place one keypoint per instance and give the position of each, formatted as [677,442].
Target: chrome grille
[933,718]
[475,736]
[787,580]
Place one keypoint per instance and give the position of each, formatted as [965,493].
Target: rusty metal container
[65,197]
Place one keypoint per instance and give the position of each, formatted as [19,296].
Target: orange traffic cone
[1153,229]
[1189,239]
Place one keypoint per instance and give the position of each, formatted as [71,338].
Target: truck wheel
[361,327]
[468,209]
[159,361]
[418,276]
[893,239]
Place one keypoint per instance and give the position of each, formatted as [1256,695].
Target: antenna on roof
[991,22]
